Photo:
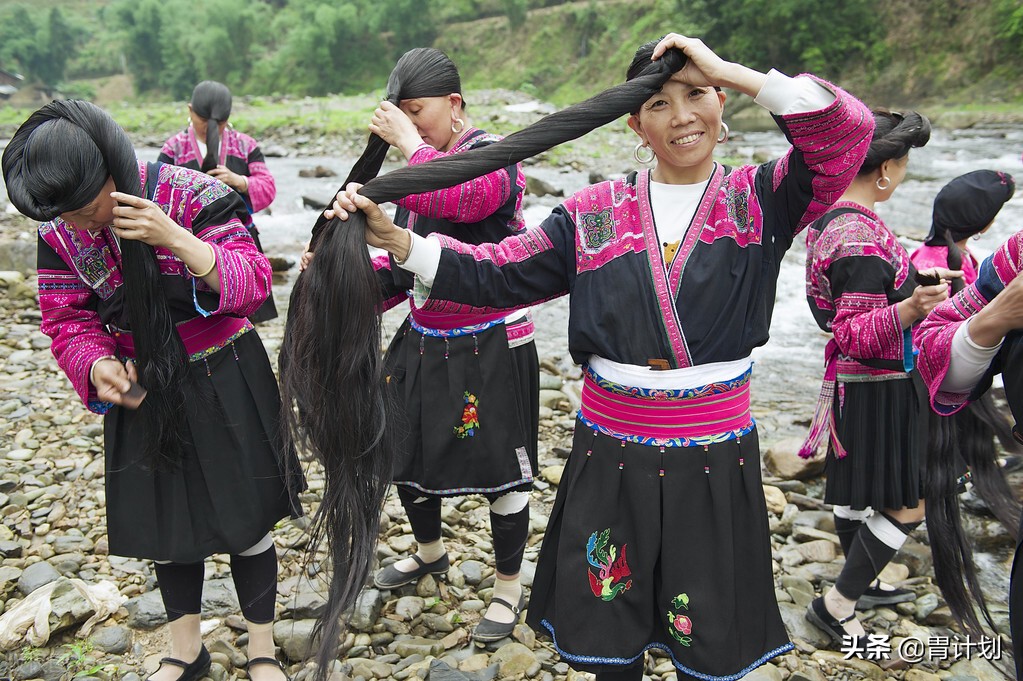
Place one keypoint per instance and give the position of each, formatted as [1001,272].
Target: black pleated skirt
[234,483]
[883,427]
[633,560]
[471,407]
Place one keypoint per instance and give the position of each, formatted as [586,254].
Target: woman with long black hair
[872,413]
[467,384]
[147,313]
[964,343]
[659,535]
[211,144]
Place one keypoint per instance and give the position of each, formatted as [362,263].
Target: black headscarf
[968,204]
[211,100]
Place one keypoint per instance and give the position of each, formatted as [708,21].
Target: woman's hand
[704,68]
[118,383]
[925,298]
[141,220]
[1000,316]
[239,183]
[392,125]
[381,232]
[304,261]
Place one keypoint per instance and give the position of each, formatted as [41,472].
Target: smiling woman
[659,535]
[147,316]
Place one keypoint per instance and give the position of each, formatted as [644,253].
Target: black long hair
[332,381]
[964,207]
[212,101]
[57,162]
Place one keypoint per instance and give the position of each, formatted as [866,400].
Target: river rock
[305,604]
[513,659]
[794,618]
[68,607]
[318,171]
[219,598]
[366,610]
[536,187]
[418,645]
[776,500]
[35,576]
[765,672]
[409,607]
[115,640]
[783,461]
[146,611]
[295,638]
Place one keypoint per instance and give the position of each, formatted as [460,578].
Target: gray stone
[68,607]
[114,640]
[219,598]
[295,638]
[69,543]
[366,610]
[53,671]
[766,672]
[794,618]
[536,187]
[513,658]
[550,381]
[146,611]
[409,607]
[437,623]
[925,605]
[35,576]
[32,669]
[306,604]
[473,571]
[417,645]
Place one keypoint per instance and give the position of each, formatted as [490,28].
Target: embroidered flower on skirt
[680,626]
[470,417]
[612,569]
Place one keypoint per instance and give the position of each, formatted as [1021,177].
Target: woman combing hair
[148,319]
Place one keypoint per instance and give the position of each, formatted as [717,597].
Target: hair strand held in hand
[332,383]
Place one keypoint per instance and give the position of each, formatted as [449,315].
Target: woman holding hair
[467,384]
[964,343]
[148,319]
[212,145]
[659,536]
[861,287]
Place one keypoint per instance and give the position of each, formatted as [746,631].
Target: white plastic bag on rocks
[29,622]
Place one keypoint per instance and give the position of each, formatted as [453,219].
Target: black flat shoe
[875,596]
[489,630]
[272,661]
[817,614]
[391,577]
[194,670]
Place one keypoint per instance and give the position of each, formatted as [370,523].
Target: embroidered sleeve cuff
[424,259]
[967,362]
[783,95]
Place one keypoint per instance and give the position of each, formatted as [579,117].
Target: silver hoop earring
[640,160]
[460,128]
[723,137]
[887,182]
[976,237]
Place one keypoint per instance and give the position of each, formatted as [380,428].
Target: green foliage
[40,49]
[791,35]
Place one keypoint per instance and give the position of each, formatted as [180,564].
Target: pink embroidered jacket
[239,152]
[934,334]
[80,276]
[856,274]
[713,301]
[485,209]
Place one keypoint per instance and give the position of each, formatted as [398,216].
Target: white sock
[428,552]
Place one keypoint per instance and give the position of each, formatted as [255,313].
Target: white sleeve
[967,362]
[782,95]
[423,260]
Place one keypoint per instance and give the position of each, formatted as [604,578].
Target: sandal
[817,614]
[391,577]
[489,630]
[194,670]
[267,660]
